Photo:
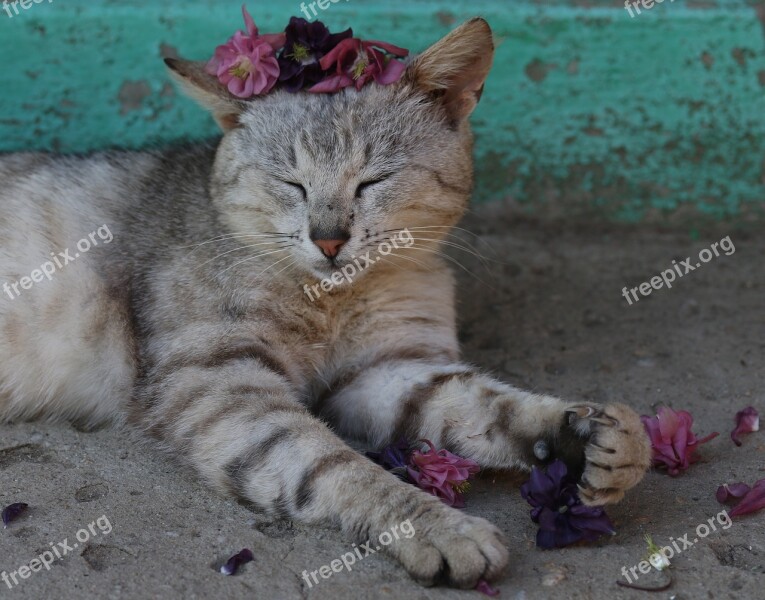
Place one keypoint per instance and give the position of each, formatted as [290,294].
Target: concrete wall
[588,111]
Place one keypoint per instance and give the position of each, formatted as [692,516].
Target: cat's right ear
[456,67]
[207,90]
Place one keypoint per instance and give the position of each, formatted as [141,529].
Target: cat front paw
[617,450]
[450,547]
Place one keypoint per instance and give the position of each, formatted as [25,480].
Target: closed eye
[297,186]
[367,184]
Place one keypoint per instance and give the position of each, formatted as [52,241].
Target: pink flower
[747,421]
[674,444]
[753,501]
[247,63]
[442,473]
[357,62]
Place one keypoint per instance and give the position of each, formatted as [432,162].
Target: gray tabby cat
[192,324]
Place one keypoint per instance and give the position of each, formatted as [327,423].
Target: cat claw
[591,414]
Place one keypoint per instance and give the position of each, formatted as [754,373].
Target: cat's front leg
[233,415]
[493,423]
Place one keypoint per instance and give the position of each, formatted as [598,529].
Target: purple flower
[11,512]
[306,44]
[747,421]
[674,444]
[563,519]
[441,473]
[246,64]
[356,63]
[394,458]
[731,492]
[236,561]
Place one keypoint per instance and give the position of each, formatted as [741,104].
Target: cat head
[337,174]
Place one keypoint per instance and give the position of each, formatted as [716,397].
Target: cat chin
[340,274]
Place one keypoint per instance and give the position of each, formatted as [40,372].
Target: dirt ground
[548,315]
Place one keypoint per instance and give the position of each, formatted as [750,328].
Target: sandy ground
[549,316]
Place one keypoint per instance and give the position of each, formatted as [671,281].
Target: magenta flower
[356,63]
[441,473]
[752,501]
[674,444]
[732,492]
[247,63]
[747,421]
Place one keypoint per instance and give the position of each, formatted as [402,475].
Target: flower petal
[12,512]
[747,421]
[753,501]
[392,72]
[249,22]
[236,561]
[331,84]
[731,491]
[484,587]
[390,48]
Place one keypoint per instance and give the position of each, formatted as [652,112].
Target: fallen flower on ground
[442,473]
[12,512]
[438,472]
[731,492]
[656,557]
[394,458]
[563,519]
[235,562]
[747,421]
[674,444]
[752,501]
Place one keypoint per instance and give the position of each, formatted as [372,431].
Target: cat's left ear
[207,90]
[456,67]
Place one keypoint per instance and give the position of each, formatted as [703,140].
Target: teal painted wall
[587,111]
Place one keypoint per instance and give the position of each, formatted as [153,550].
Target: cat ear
[457,67]
[207,90]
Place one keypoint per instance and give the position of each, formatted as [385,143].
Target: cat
[192,325]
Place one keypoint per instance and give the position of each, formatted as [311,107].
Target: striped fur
[192,325]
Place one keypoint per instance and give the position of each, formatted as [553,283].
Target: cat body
[192,323]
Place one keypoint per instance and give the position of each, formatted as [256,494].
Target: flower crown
[306,56]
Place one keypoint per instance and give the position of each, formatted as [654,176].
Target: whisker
[229,236]
[287,267]
[273,265]
[244,248]
[459,247]
[252,258]
[409,258]
[456,262]
[457,237]
[475,235]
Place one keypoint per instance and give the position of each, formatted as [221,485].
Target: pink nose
[330,248]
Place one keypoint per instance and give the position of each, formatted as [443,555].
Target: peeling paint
[537,71]
[132,94]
